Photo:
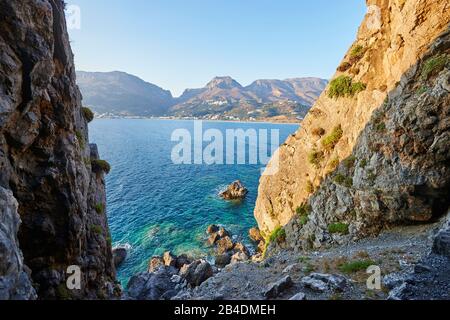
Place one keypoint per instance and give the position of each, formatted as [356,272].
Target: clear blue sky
[180,44]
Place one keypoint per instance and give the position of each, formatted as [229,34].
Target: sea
[157,204]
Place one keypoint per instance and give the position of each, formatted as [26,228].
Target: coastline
[289,122]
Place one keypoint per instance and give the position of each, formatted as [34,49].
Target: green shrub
[99,208]
[87,114]
[334,163]
[381,126]
[96,229]
[434,65]
[330,141]
[422,90]
[355,266]
[343,86]
[315,158]
[339,227]
[357,53]
[363,163]
[350,162]
[80,138]
[278,235]
[303,212]
[309,187]
[343,180]
[100,166]
[344,66]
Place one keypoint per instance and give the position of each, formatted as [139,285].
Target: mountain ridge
[121,94]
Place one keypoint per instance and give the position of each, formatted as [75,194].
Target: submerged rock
[234,191]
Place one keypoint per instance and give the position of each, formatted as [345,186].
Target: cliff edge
[50,177]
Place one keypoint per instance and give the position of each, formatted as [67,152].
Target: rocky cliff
[50,177]
[374,149]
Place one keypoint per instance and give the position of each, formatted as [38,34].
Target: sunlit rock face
[391,124]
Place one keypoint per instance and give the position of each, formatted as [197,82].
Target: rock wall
[46,160]
[394,36]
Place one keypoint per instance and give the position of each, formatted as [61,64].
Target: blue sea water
[154,205]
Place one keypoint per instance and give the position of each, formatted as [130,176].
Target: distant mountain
[224,96]
[120,93]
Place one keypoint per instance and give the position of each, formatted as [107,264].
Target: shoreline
[204,120]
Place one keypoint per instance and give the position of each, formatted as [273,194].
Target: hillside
[224,97]
[120,93]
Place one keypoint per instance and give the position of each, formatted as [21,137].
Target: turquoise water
[155,205]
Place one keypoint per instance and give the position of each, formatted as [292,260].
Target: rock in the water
[224,245]
[235,191]
[212,229]
[155,264]
[119,255]
[240,247]
[197,272]
[299,296]
[169,259]
[275,289]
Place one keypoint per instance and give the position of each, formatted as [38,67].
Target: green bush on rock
[100,166]
[343,86]
[341,228]
[87,114]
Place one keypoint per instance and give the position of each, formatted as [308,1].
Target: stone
[235,191]
[224,245]
[314,284]
[290,268]
[169,259]
[240,247]
[222,233]
[274,290]
[212,229]
[333,281]
[223,260]
[239,257]
[152,286]
[119,255]
[422,268]
[213,238]
[182,260]
[155,264]
[299,296]
[197,272]
[255,235]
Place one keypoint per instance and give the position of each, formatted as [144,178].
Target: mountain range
[121,94]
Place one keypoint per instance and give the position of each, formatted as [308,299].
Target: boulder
[255,235]
[240,247]
[239,257]
[275,289]
[234,191]
[224,245]
[323,282]
[182,260]
[213,238]
[212,229]
[169,259]
[119,256]
[197,272]
[152,286]
[155,264]
[222,233]
[223,260]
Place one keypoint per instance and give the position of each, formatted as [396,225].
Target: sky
[179,44]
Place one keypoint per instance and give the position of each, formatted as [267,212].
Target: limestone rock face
[45,157]
[14,281]
[402,151]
